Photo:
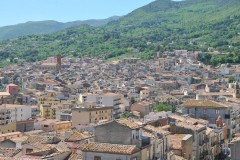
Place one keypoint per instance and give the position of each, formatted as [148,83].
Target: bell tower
[59,62]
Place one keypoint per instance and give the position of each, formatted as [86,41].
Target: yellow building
[7,128]
[47,111]
[89,113]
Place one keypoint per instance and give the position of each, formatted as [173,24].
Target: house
[129,133]
[12,89]
[10,114]
[90,113]
[198,131]
[160,142]
[107,132]
[103,99]
[181,144]
[234,146]
[209,110]
[49,125]
[206,109]
[142,107]
[105,151]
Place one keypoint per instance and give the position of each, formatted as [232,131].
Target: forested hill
[160,25]
[44,27]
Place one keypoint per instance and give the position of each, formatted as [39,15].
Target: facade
[89,113]
[12,113]
[47,111]
[181,144]
[198,132]
[104,100]
[209,110]
[49,125]
[129,133]
[144,93]
[107,132]
[25,126]
[106,151]
[142,107]
[234,146]
[12,89]
[10,135]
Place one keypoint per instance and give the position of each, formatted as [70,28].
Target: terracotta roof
[203,104]
[111,148]
[156,130]
[8,152]
[188,119]
[78,136]
[76,156]
[175,141]
[128,123]
[190,126]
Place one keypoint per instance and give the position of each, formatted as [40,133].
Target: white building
[12,112]
[104,99]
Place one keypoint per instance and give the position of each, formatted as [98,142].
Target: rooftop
[203,104]
[111,148]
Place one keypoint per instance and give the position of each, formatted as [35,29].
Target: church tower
[59,62]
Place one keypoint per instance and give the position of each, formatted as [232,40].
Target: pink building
[12,89]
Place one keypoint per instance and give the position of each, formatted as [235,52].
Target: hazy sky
[20,11]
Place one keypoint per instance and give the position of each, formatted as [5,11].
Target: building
[106,151]
[104,99]
[13,112]
[90,113]
[10,135]
[53,63]
[49,125]
[47,111]
[159,140]
[144,93]
[12,89]
[198,131]
[234,146]
[142,107]
[181,144]
[206,109]
[209,110]
[25,126]
[128,133]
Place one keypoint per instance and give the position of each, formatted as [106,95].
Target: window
[217,111]
[97,158]
[204,111]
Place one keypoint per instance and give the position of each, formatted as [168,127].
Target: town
[172,107]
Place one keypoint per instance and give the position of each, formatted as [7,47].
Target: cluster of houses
[90,109]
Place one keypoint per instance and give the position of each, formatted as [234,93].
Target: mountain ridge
[47,26]
[162,25]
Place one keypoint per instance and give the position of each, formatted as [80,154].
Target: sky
[20,11]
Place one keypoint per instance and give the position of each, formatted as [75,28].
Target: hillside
[158,26]
[45,27]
